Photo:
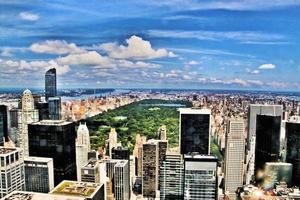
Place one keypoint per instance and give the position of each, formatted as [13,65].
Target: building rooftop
[121,163]
[90,164]
[200,157]
[38,159]
[21,195]
[203,111]
[4,150]
[51,122]
[74,188]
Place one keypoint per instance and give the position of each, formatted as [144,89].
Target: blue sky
[247,44]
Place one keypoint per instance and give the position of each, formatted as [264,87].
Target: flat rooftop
[38,159]
[199,156]
[90,164]
[121,163]
[21,195]
[74,188]
[4,150]
[203,111]
[51,122]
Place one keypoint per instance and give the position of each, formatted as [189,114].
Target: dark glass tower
[267,147]
[120,153]
[194,131]
[54,105]
[55,139]
[3,125]
[293,149]
[50,83]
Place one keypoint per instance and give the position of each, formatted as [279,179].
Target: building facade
[194,130]
[50,83]
[54,107]
[121,180]
[12,176]
[39,174]
[56,140]
[3,125]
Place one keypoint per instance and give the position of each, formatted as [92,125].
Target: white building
[12,176]
[26,116]
[234,156]
[39,174]
[121,180]
[83,146]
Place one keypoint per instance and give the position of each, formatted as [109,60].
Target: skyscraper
[39,174]
[12,175]
[267,148]
[200,177]
[234,156]
[292,128]
[83,146]
[112,140]
[172,177]
[254,111]
[3,125]
[121,180]
[50,83]
[162,132]
[55,139]
[150,169]
[54,106]
[194,131]
[26,116]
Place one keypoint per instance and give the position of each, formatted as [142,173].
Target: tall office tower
[54,107]
[39,174]
[55,139]
[27,115]
[162,150]
[194,130]
[234,156]
[83,146]
[112,140]
[292,132]
[3,125]
[254,111]
[162,132]
[150,169]
[121,153]
[121,180]
[12,175]
[200,177]
[50,83]
[137,152]
[172,177]
[43,108]
[267,148]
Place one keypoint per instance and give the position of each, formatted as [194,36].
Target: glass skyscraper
[50,83]
[194,131]
[3,124]
[55,139]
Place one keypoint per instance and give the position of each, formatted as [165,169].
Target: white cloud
[187,77]
[28,16]
[267,66]
[6,52]
[193,62]
[88,58]
[137,49]
[256,82]
[138,64]
[56,47]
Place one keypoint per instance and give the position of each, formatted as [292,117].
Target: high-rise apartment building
[254,111]
[194,130]
[54,108]
[292,132]
[150,169]
[200,177]
[26,115]
[83,146]
[3,125]
[172,177]
[12,175]
[50,83]
[39,174]
[234,156]
[55,139]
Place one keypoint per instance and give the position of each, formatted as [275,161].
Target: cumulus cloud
[56,47]
[6,52]
[28,16]
[267,66]
[137,49]
[92,58]
[193,62]
[254,72]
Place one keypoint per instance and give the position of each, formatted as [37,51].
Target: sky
[192,44]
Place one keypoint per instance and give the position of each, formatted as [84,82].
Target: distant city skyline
[151,44]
